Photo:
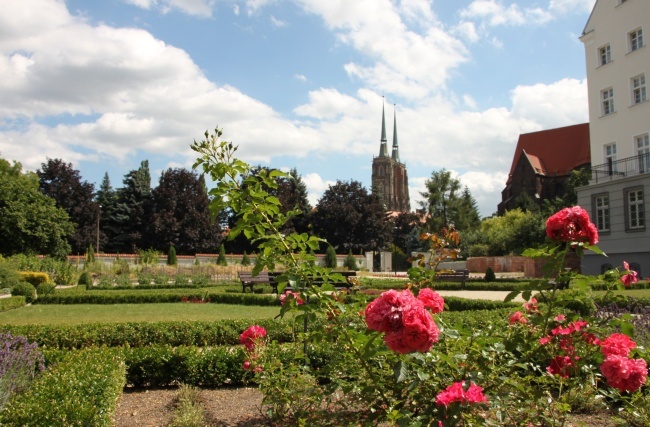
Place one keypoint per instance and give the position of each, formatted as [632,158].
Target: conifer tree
[351,262]
[90,254]
[245,260]
[221,260]
[171,256]
[330,257]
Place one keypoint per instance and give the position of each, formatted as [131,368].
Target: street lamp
[99,211]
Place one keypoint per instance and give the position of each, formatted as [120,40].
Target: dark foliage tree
[179,213]
[171,256]
[447,204]
[30,221]
[60,181]
[130,216]
[406,227]
[106,199]
[349,217]
[330,257]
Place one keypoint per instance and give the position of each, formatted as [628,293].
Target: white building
[618,68]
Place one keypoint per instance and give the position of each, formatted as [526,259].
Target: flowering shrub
[378,360]
[250,337]
[287,296]
[630,277]
[19,363]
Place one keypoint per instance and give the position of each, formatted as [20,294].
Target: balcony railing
[629,166]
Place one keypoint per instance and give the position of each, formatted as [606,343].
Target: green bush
[11,303]
[85,279]
[489,275]
[245,259]
[330,257]
[148,257]
[81,390]
[141,334]
[9,277]
[45,289]
[26,290]
[171,256]
[34,277]
[351,262]
[479,249]
[221,259]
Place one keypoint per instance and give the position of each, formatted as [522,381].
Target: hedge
[140,334]
[81,390]
[470,285]
[12,302]
[158,296]
[34,277]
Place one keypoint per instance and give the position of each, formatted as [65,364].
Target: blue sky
[105,84]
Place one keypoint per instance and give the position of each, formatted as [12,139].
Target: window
[600,208]
[604,55]
[643,151]
[610,158]
[638,89]
[636,39]
[607,98]
[634,209]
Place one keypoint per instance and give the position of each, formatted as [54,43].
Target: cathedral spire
[383,147]
[395,146]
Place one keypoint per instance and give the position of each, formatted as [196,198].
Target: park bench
[339,285]
[249,281]
[456,276]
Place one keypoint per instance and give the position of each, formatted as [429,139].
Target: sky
[106,84]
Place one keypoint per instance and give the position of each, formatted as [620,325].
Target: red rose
[617,345]
[623,373]
[251,336]
[432,300]
[572,225]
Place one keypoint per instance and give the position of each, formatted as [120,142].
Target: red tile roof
[554,151]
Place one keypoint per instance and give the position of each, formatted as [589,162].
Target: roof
[554,151]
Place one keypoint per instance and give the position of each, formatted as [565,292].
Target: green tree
[221,259]
[60,181]
[171,256]
[351,262]
[179,214]
[350,218]
[447,204]
[106,199]
[509,234]
[245,260]
[30,221]
[90,254]
[330,257]
[130,217]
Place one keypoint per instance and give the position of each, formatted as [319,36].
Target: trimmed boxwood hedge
[470,285]
[82,389]
[140,334]
[137,296]
[12,302]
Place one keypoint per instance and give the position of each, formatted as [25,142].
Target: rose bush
[396,360]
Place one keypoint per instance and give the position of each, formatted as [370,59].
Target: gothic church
[389,178]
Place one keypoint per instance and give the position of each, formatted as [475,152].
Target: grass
[636,293]
[84,313]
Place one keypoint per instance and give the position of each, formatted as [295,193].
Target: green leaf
[512,295]
[400,371]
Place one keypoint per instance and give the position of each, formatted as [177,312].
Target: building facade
[542,165]
[389,177]
[618,66]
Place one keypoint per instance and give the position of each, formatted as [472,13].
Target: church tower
[389,177]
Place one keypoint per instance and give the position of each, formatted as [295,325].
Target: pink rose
[572,225]
[531,306]
[518,317]
[247,365]
[251,336]
[456,393]
[629,278]
[617,345]
[560,366]
[288,295]
[623,373]
[407,325]
[432,300]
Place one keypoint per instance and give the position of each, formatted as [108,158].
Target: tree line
[55,212]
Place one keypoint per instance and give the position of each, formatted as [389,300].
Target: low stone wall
[515,264]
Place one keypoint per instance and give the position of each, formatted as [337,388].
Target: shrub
[9,277]
[330,257]
[19,362]
[11,303]
[221,259]
[171,256]
[489,275]
[351,262]
[45,289]
[26,290]
[245,260]
[34,277]
[81,390]
[479,250]
[148,257]
[90,254]
[121,266]
[85,279]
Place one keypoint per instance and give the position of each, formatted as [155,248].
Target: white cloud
[199,8]
[562,103]
[300,77]
[467,30]
[403,62]
[316,186]
[278,22]
[568,6]
[494,13]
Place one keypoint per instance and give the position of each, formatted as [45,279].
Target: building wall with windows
[617,59]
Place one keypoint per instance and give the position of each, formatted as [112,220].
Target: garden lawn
[634,293]
[84,313]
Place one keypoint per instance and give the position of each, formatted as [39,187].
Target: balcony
[629,166]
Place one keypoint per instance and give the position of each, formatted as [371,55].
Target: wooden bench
[249,281]
[340,285]
[457,276]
